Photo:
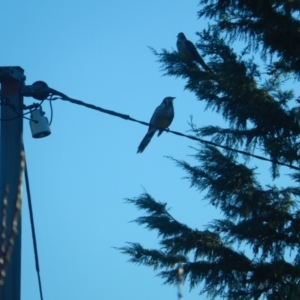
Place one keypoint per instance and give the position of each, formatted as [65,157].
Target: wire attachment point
[38,90]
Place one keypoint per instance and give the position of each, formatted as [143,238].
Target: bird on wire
[188,51]
[162,117]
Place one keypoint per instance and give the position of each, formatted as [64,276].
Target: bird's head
[181,36]
[168,100]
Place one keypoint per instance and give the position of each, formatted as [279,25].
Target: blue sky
[97,52]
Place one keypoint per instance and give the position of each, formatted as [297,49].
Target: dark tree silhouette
[262,117]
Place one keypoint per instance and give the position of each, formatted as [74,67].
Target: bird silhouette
[188,51]
[162,117]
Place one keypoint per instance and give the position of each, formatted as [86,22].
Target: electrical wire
[51,109]
[64,97]
[127,117]
[32,226]
[6,102]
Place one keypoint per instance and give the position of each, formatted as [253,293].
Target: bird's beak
[173,98]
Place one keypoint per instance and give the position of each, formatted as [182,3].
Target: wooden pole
[11,79]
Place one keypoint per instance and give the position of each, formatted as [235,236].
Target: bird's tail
[146,140]
[203,64]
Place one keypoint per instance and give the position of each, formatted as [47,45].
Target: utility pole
[11,134]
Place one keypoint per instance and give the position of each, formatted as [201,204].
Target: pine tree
[262,117]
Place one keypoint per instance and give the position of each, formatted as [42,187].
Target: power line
[64,97]
[32,227]
[127,117]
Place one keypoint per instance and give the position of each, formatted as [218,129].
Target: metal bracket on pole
[8,73]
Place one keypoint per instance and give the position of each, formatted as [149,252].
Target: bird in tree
[161,118]
[188,51]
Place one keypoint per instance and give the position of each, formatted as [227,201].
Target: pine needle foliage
[253,250]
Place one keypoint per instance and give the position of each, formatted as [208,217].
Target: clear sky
[97,52]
